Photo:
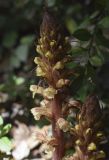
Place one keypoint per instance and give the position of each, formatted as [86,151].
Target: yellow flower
[37,60]
[99,134]
[52,43]
[62,82]
[88,131]
[40,72]
[49,55]
[44,103]
[38,49]
[92,147]
[58,65]
[49,92]
[77,127]
[78,142]
[36,89]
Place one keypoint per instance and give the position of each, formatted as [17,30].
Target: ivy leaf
[5,144]
[82,34]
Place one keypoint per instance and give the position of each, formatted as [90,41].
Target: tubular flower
[40,72]
[49,92]
[41,111]
[36,90]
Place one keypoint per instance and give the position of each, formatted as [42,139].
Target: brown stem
[57,133]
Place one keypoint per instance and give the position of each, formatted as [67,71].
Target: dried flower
[41,111]
[63,124]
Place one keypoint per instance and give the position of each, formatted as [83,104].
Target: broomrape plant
[86,134]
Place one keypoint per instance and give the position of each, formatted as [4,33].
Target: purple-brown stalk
[53,48]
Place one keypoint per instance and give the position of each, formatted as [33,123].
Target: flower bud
[58,65]
[62,82]
[38,49]
[52,43]
[49,55]
[92,146]
[88,131]
[78,142]
[40,72]
[37,60]
[77,127]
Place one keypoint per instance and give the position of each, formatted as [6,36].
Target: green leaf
[82,34]
[18,80]
[1,121]
[96,61]
[5,144]
[70,24]
[104,22]
[6,129]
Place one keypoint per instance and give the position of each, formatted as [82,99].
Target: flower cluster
[89,132]
[53,50]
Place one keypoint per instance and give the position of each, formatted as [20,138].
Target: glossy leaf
[82,34]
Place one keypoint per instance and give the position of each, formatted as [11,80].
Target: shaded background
[19,30]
